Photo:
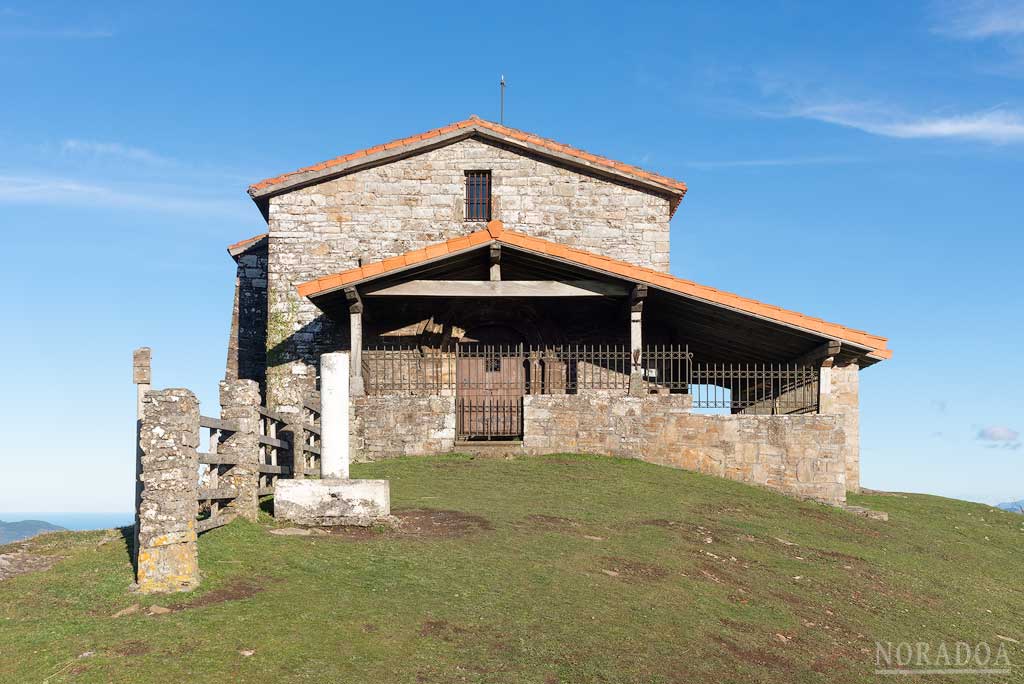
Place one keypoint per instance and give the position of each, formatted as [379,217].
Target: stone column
[141,376]
[840,396]
[334,416]
[239,406]
[168,438]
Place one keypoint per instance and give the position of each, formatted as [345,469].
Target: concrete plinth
[332,501]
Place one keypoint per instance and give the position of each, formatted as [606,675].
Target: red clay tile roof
[674,187]
[495,232]
[243,245]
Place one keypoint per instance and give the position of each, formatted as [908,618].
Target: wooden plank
[501,288]
[210,493]
[315,429]
[274,442]
[217,459]
[267,413]
[311,405]
[213,522]
[311,449]
[276,469]
[216,424]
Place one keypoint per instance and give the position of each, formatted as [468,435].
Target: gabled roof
[875,345]
[474,125]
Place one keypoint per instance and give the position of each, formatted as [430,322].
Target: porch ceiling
[713,331]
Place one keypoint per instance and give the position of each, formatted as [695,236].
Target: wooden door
[490,383]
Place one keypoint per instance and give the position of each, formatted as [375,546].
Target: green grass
[710,573]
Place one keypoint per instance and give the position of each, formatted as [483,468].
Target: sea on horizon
[72,521]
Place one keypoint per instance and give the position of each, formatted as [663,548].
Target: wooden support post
[495,261]
[355,319]
[636,340]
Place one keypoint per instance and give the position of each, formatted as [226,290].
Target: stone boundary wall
[166,557]
[385,426]
[799,455]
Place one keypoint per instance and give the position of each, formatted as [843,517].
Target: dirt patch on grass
[660,522]
[20,562]
[757,656]
[441,629]
[439,524]
[133,649]
[235,590]
[550,522]
[632,571]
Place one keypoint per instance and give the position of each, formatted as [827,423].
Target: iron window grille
[478,195]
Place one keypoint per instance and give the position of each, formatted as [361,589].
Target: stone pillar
[334,415]
[239,406]
[168,437]
[839,395]
[142,377]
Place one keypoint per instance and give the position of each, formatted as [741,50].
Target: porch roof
[683,294]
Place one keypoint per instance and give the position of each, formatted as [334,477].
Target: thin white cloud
[981,19]
[68,33]
[783,161]
[59,191]
[993,126]
[116,150]
[999,437]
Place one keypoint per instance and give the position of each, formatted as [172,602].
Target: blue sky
[862,162]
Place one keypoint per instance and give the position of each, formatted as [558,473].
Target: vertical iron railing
[502,371]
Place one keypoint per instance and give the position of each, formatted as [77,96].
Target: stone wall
[247,342]
[385,426]
[840,396]
[800,455]
[407,204]
[166,557]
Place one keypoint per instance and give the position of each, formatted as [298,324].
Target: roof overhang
[698,307]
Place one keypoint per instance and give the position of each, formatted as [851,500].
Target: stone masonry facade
[247,343]
[386,426]
[410,203]
[800,455]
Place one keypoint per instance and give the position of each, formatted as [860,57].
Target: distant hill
[23,529]
[1013,506]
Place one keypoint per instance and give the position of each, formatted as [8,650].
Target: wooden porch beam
[501,288]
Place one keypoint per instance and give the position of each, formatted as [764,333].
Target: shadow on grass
[267,505]
[128,534]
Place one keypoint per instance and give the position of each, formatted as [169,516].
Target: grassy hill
[552,569]
[23,529]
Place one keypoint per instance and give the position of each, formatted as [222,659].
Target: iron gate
[490,384]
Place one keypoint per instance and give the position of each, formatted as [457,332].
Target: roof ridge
[550,144]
